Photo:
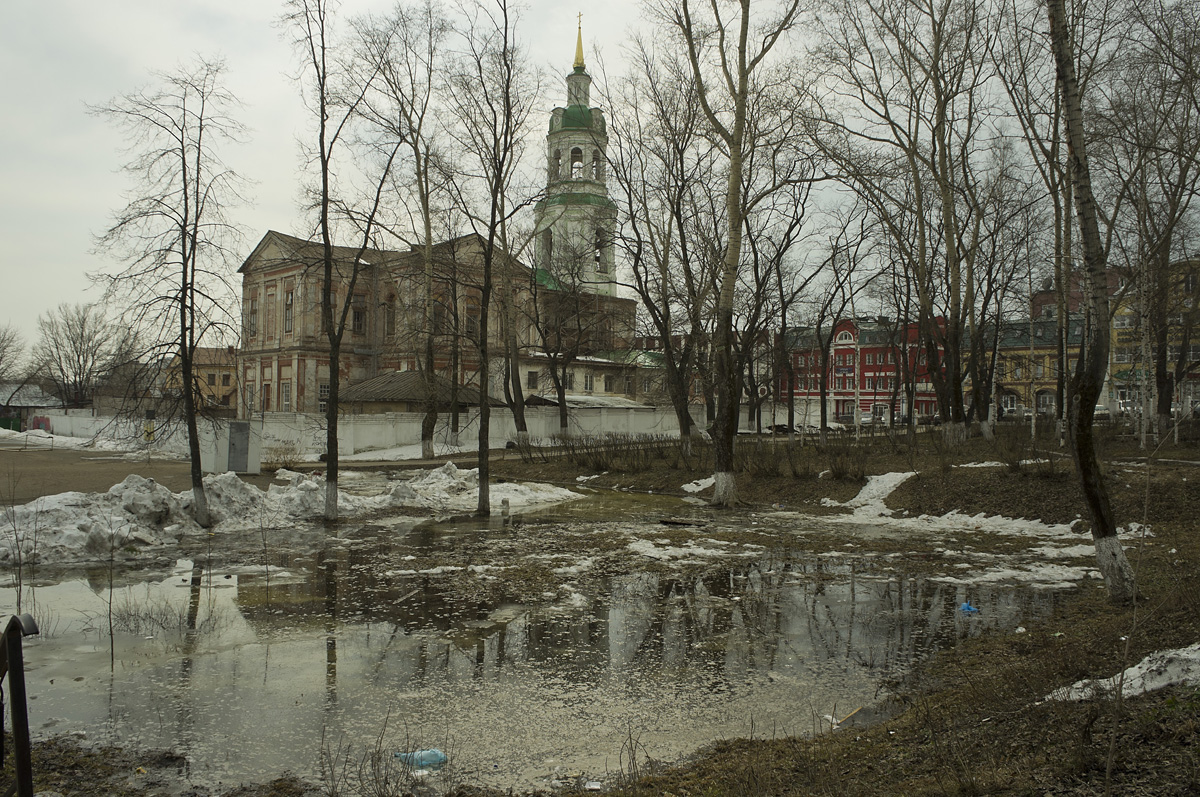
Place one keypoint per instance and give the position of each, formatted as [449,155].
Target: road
[28,473]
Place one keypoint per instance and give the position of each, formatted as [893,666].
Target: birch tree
[1092,365]
[728,47]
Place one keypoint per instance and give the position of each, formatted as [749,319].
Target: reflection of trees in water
[781,613]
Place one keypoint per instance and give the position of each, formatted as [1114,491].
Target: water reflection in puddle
[245,671]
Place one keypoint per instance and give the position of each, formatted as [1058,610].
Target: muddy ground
[969,722]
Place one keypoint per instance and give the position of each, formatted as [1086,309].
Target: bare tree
[1092,365]
[174,233]
[491,97]
[334,93]
[407,50]
[12,350]
[728,53]
[659,160]
[77,348]
[912,128]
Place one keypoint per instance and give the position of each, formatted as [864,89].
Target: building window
[389,317]
[224,380]
[597,167]
[323,397]
[252,318]
[609,383]
[287,312]
[570,380]
[576,163]
[211,378]
[270,316]
[531,380]
[285,396]
[629,386]
[845,337]
[266,398]
[870,358]
[589,382]
[472,322]
[359,317]
[645,384]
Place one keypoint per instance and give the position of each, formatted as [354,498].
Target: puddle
[246,669]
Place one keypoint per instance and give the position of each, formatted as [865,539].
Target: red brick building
[876,366]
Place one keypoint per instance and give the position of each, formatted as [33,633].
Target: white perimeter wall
[358,433]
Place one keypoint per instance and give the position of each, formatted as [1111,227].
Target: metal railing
[12,664]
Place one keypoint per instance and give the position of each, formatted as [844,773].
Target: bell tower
[576,220]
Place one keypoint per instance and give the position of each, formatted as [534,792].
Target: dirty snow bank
[1160,669]
[139,513]
[1034,566]
[869,501]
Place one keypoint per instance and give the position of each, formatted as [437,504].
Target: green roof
[577,117]
[546,279]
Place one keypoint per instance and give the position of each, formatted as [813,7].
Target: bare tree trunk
[1093,358]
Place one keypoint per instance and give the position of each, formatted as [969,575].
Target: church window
[596,168]
[288,297]
[389,317]
[555,164]
[576,163]
[601,265]
[547,247]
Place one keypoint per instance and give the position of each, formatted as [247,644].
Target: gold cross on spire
[579,44]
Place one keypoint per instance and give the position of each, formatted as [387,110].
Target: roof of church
[577,117]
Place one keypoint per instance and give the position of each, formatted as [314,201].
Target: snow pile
[87,526]
[140,513]
[699,485]
[1160,669]
[869,501]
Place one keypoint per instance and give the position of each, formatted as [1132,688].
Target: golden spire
[579,44]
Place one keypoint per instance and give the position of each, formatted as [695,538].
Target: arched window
[555,164]
[596,165]
[845,337]
[576,163]
[547,248]
[601,265]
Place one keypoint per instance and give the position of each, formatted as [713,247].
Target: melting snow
[140,513]
[1159,669]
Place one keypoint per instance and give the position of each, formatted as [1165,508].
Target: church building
[576,220]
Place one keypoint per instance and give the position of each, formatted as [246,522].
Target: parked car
[1102,413]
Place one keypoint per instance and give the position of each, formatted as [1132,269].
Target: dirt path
[29,474]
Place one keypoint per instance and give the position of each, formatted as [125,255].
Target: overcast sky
[59,165]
